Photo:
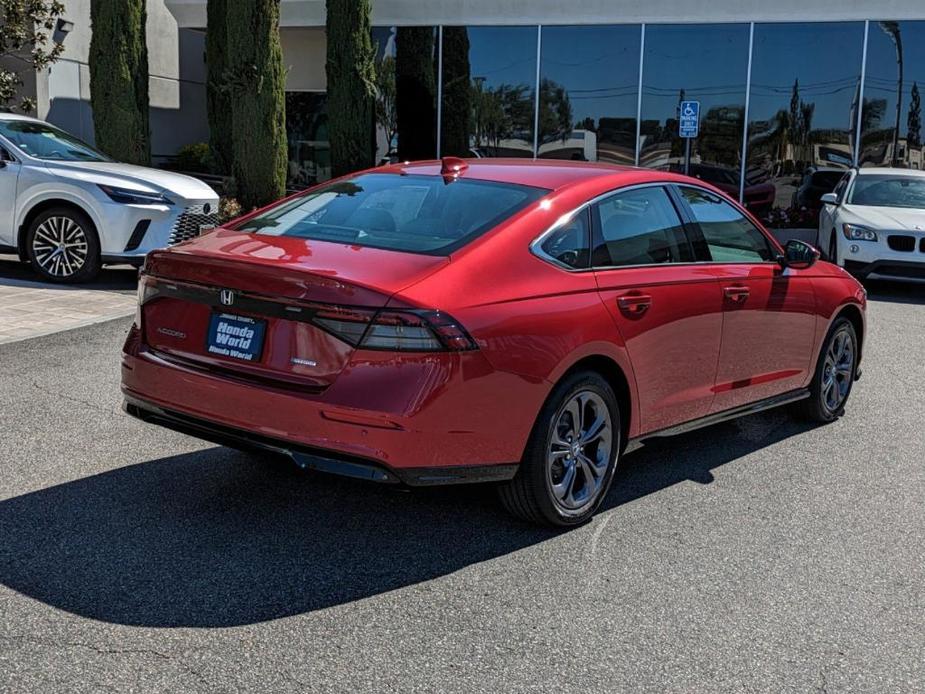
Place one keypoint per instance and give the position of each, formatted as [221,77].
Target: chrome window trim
[537,250]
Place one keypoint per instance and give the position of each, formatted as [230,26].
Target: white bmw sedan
[68,209]
[873,224]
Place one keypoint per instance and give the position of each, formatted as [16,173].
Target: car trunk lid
[261,307]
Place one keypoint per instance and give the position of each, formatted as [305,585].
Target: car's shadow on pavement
[118,278]
[218,538]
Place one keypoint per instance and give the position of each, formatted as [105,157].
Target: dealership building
[783,87]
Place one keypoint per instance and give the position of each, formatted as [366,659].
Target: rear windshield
[417,214]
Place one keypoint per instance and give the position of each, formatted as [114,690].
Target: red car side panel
[768,336]
[835,289]
[673,344]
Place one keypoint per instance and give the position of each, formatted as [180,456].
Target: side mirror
[799,255]
[829,199]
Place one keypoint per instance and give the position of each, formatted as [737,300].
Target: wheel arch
[853,314]
[40,207]
[615,376]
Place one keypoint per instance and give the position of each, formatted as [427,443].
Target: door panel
[673,342]
[768,313]
[769,328]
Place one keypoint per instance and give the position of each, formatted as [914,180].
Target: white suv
[69,209]
[873,225]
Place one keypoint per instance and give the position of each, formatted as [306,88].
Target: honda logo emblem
[226,297]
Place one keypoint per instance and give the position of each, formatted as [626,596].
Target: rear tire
[834,376]
[63,247]
[571,456]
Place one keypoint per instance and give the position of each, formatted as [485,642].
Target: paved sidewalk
[29,308]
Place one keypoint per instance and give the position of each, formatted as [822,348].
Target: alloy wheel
[838,370]
[579,451]
[60,246]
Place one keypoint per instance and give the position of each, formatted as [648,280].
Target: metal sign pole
[687,156]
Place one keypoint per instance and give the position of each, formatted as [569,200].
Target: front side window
[412,213]
[639,227]
[43,141]
[888,191]
[729,236]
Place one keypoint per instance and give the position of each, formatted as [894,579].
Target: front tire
[571,455]
[63,246]
[834,377]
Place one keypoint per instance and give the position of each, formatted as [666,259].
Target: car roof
[541,173]
[888,171]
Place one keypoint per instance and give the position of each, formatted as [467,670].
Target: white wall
[176,66]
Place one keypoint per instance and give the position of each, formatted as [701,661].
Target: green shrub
[351,75]
[218,91]
[256,83]
[195,158]
[119,79]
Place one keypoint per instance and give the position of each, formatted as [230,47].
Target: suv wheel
[63,246]
[571,456]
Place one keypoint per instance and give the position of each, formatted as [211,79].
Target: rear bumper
[422,419]
[327,461]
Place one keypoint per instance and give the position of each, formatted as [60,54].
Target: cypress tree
[119,79]
[218,101]
[457,92]
[256,79]
[351,85]
[416,93]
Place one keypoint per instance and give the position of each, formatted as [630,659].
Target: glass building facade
[783,105]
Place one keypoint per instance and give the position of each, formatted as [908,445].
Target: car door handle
[634,304]
[736,294]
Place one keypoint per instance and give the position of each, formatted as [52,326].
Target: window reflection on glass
[406,93]
[639,227]
[489,78]
[895,77]
[701,63]
[588,93]
[729,236]
[805,85]
[307,136]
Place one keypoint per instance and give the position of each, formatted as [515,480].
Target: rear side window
[568,244]
[639,227]
[730,237]
[417,214]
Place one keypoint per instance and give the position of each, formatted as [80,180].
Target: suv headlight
[853,232]
[134,197]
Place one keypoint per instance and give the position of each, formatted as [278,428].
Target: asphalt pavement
[762,555]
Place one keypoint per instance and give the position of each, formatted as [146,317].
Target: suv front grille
[904,244]
[190,220]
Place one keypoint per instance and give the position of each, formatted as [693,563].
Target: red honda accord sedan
[488,321]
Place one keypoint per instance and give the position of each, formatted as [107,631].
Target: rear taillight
[399,331]
[145,290]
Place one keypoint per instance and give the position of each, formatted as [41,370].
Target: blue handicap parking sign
[689,121]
